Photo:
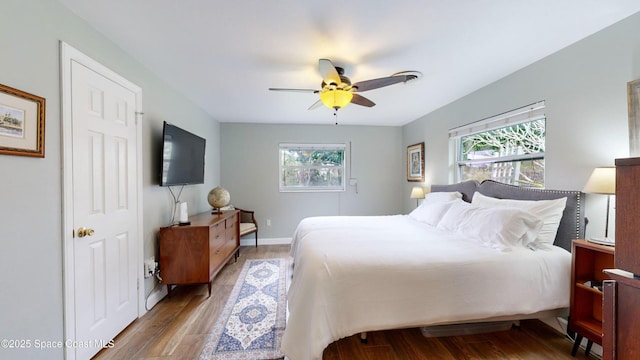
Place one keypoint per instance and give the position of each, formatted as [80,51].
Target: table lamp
[417,193]
[603,181]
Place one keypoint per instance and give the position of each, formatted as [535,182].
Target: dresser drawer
[217,235]
[231,222]
[218,257]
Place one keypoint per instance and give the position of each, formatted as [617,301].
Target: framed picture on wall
[21,123]
[415,162]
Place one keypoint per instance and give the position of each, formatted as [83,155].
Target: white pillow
[430,212]
[550,211]
[442,196]
[500,228]
[435,204]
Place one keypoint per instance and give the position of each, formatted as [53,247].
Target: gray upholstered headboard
[572,222]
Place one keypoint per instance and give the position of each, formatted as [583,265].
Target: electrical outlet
[150,267]
[268,222]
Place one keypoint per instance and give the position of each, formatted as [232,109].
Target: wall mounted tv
[182,157]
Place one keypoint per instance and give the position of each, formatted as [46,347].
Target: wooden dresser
[195,253]
[621,309]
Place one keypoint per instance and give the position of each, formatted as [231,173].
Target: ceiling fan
[336,90]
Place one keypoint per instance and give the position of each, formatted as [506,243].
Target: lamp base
[603,241]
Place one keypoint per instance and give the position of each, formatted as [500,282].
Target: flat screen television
[182,157]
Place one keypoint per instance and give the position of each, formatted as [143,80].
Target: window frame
[311,146]
[529,113]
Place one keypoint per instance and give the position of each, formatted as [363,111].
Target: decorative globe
[218,197]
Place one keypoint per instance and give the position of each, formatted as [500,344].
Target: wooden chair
[248,223]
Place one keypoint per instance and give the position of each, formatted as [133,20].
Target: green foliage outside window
[312,169]
[512,154]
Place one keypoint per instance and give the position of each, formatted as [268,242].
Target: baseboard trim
[251,241]
[157,294]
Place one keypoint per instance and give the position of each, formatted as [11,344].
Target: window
[508,148]
[312,167]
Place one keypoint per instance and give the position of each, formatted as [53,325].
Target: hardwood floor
[177,328]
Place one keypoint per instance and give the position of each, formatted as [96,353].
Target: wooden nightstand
[587,265]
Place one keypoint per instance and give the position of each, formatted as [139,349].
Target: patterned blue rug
[252,322]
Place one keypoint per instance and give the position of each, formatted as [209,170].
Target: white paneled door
[105,207]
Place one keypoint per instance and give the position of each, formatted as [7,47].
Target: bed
[354,274]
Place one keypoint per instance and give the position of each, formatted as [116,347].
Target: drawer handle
[217,236]
[217,251]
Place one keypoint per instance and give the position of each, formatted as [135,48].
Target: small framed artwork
[21,123]
[415,162]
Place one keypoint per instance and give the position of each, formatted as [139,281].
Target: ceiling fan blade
[329,72]
[378,83]
[315,105]
[295,90]
[361,100]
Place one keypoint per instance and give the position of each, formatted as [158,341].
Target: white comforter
[354,274]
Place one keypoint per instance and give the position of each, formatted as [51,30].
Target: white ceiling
[224,55]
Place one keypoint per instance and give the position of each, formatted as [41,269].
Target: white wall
[31,303]
[584,86]
[250,173]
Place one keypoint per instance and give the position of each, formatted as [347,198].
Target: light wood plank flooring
[177,328]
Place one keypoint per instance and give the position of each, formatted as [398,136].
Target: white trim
[156,296]
[68,54]
[250,240]
[312,146]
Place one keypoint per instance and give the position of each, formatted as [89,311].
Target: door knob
[83,231]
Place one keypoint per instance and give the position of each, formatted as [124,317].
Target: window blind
[524,114]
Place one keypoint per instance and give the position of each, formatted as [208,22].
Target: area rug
[252,322]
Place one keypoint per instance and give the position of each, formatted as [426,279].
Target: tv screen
[182,157]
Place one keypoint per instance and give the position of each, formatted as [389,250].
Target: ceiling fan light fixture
[336,99]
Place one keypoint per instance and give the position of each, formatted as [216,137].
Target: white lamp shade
[417,192]
[602,181]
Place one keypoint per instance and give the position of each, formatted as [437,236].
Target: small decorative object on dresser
[218,198]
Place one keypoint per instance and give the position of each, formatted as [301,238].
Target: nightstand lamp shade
[417,193]
[603,181]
